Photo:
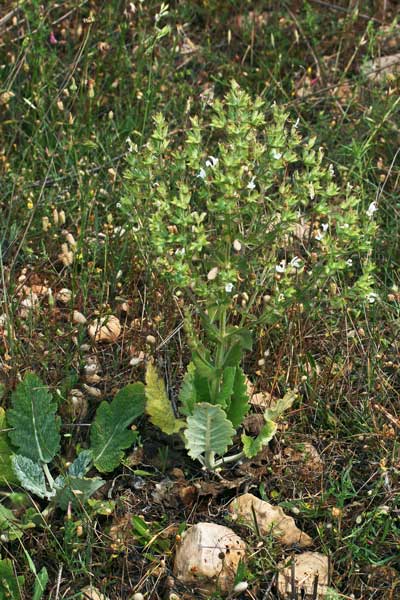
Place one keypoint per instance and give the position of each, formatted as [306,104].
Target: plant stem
[220,354]
[48,475]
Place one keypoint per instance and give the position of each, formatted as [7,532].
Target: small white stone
[237,246]
[78,318]
[64,296]
[212,274]
[240,587]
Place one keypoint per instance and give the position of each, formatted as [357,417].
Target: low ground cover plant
[244,218]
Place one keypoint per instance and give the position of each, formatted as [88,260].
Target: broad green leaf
[234,355]
[36,429]
[109,435]
[10,584]
[76,490]
[208,431]
[225,393]
[41,581]
[7,475]
[252,446]
[275,411]
[194,389]
[158,405]
[81,464]
[244,336]
[203,366]
[239,405]
[30,475]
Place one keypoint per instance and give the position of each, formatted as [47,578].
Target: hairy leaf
[276,410]
[109,435]
[81,464]
[30,475]
[234,355]
[228,380]
[36,431]
[158,405]
[252,446]
[239,405]
[208,431]
[7,475]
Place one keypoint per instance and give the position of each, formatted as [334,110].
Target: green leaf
[243,335]
[81,464]
[158,406]
[252,446]
[36,431]
[11,528]
[42,579]
[225,393]
[76,490]
[276,410]
[31,476]
[187,393]
[11,585]
[109,435]
[239,405]
[233,356]
[7,475]
[208,432]
[203,366]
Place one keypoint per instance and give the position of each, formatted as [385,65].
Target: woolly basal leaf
[36,429]
[252,446]
[7,475]
[30,475]
[109,435]
[239,404]
[158,406]
[81,464]
[208,431]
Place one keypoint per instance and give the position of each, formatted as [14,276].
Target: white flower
[281,268]
[372,208]
[251,185]
[325,226]
[275,154]
[295,262]
[319,235]
[331,170]
[229,288]
[372,297]
[211,162]
[202,174]
[180,251]
[349,262]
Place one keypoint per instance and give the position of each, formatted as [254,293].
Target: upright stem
[48,475]
[220,354]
